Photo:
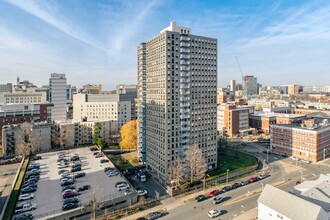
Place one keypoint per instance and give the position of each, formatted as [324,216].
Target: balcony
[184,57]
[183,44]
[184,51]
[184,38]
[184,68]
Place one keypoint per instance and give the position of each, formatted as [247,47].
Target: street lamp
[262,186]
[227,176]
[300,175]
[205,181]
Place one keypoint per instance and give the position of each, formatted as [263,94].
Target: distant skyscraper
[177,91]
[233,87]
[58,96]
[250,85]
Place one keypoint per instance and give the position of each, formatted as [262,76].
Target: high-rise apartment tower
[177,91]
[58,96]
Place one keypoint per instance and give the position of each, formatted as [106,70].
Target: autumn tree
[176,175]
[128,135]
[195,164]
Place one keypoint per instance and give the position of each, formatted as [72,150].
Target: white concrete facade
[101,107]
[23,97]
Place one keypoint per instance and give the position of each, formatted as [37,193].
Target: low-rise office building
[263,120]
[232,120]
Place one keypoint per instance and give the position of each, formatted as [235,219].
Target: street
[284,175]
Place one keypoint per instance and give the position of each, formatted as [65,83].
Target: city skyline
[279,43]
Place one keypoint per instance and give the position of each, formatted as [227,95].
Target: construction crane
[240,69]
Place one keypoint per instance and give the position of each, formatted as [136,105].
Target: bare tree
[95,194]
[195,163]
[176,175]
[66,135]
[25,139]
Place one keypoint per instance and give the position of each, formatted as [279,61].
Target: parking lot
[48,196]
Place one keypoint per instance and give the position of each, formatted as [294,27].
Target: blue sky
[280,42]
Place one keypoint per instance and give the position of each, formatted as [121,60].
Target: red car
[253,179]
[214,193]
[69,195]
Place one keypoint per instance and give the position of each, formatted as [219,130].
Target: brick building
[309,141]
[263,120]
[231,119]
[19,113]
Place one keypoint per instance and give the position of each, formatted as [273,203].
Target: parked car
[74,158]
[106,169]
[79,175]
[253,179]
[30,184]
[98,155]
[62,171]
[28,190]
[24,216]
[36,158]
[154,215]
[200,198]
[69,206]
[25,207]
[66,183]
[235,185]
[68,187]
[112,173]
[142,192]
[93,149]
[214,193]
[64,179]
[244,182]
[26,196]
[120,183]
[214,213]
[262,176]
[70,200]
[69,195]
[104,161]
[84,188]
[75,169]
[69,191]
[122,187]
[217,200]
[225,189]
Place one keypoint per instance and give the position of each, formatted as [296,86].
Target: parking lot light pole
[227,176]
[300,176]
[262,186]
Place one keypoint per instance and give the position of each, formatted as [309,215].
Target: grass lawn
[124,161]
[232,160]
